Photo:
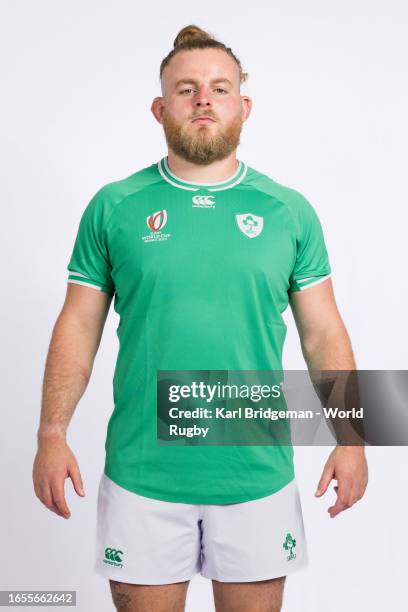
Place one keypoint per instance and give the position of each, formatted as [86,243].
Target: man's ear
[157,108]
[246,107]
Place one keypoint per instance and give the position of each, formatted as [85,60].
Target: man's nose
[203,98]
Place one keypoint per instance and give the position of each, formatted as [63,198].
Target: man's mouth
[203,119]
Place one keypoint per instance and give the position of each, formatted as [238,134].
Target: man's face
[201,83]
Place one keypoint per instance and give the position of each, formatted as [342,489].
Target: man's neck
[213,173]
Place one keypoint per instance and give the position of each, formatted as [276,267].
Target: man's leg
[146,597]
[148,549]
[249,548]
[260,596]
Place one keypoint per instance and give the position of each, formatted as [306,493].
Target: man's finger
[337,508]
[45,495]
[344,498]
[75,475]
[58,496]
[324,480]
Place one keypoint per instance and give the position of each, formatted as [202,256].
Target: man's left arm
[326,346]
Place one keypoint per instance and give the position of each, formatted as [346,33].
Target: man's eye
[188,89]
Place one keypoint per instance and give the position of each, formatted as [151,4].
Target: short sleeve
[312,264]
[89,264]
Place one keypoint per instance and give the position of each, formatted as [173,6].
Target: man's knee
[121,596]
[260,596]
[145,597]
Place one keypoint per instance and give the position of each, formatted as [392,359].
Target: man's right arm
[74,343]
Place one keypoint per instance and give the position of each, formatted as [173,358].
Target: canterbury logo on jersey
[206,201]
[112,557]
[157,220]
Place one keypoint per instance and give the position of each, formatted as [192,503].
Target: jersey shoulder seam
[290,191]
[109,189]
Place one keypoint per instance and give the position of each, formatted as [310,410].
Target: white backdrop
[329,86]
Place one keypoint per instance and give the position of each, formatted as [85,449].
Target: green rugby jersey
[201,274]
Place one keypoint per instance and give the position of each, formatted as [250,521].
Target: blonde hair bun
[192,37]
[190,33]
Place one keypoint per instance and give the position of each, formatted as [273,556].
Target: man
[202,254]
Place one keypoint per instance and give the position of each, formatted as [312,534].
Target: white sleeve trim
[77,282]
[316,282]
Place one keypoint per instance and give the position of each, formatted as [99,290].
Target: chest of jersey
[189,240]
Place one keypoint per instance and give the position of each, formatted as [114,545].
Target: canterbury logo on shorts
[112,557]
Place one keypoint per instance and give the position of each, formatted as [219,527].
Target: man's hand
[347,465]
[54,463]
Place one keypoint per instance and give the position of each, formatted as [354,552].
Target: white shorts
[141,540]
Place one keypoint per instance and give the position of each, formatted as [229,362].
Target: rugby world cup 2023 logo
[155,223]
[157,220]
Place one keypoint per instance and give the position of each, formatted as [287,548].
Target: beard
[202,146]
